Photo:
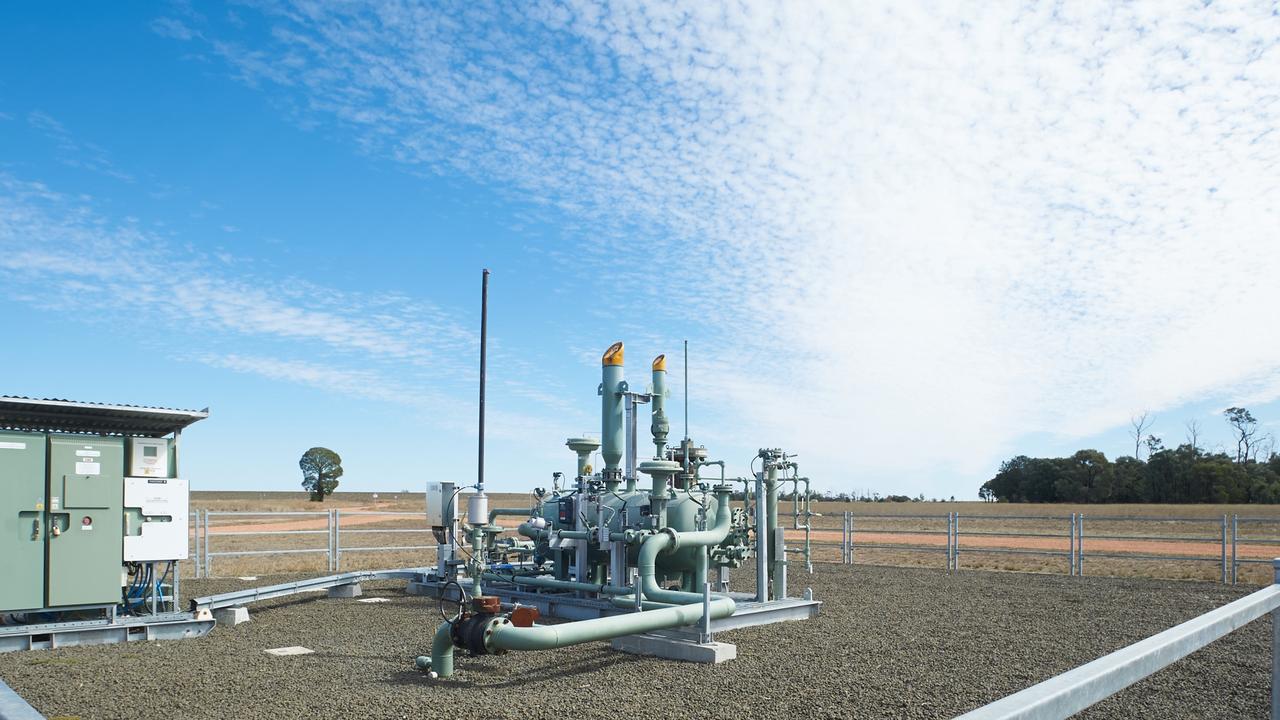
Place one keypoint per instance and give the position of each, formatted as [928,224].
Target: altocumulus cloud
[1010,217]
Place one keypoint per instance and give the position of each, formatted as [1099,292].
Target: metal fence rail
[1067,694]
[1224,532]
[205,533]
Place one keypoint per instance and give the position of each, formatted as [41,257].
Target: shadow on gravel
[500,676]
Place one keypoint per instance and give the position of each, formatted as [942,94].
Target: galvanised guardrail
[205,531]
[1067,694]
[1223,531]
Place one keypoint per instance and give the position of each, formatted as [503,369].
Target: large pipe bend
[441,660]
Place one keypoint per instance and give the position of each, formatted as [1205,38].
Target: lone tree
[1246,430]
[321,468]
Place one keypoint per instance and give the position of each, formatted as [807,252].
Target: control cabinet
[155,519]
[86,481]
[22,520]
[149,457]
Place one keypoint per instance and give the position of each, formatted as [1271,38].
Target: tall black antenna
[686,389]
[484,334]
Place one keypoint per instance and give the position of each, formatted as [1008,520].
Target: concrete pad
[291,650]
[232,616]
[247,577]
[673,648]
[373,600]
[346,591]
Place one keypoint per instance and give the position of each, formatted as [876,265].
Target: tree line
[1183,474]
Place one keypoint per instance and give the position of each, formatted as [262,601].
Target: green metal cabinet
[86,481]
[22,520]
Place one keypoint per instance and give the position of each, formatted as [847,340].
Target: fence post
[955,542]
[1224,549]
[844,538]
[1235,538]
[337,540]
[951,520]
[195,555]
[851,530]
[208,559]
[1071,538]
[1080,544]
[1275,649]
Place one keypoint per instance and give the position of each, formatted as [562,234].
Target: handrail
[1067,694]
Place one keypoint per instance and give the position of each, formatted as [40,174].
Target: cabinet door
[22,521]
[86,488]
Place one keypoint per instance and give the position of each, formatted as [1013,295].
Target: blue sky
[904,242]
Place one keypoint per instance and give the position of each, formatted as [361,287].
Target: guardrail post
[1224,549]
[1235,538]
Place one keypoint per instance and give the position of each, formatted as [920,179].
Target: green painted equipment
[86,481]
[22,520]
[619,562]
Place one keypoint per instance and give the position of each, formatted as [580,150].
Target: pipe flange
[675,539]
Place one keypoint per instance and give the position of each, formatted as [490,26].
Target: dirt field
[889,643]
[1039,535]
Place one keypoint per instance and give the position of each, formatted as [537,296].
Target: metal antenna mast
[484,333]
[686,389]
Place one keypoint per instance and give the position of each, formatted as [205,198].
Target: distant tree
[321,468]
[986,494]
[1154,445]
[1139,423]
[1246,430]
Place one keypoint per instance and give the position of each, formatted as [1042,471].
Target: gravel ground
[889,643]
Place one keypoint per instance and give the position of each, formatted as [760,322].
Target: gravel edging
[889,643]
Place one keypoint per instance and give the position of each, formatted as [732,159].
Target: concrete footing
[345,591]
[419,588]
[232,616]
[676,648]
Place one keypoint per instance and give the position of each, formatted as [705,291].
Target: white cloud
[45,238]
[923,231]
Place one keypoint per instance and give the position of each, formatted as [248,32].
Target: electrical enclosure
[155,519]
[85,520]
[22,520]
[149,457]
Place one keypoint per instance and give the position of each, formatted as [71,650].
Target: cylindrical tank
[682,516]
[611,407]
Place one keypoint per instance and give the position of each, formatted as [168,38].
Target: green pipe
[441,660]
[553,584]
[777,561]
[512,512]
[505,636]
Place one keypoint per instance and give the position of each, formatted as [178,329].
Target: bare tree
[1246,430]
[1265,448]
[1139,423]
[1193,433]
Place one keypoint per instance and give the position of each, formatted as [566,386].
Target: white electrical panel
[155,519]
[148,457]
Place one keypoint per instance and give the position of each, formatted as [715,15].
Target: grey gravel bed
[889,643]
